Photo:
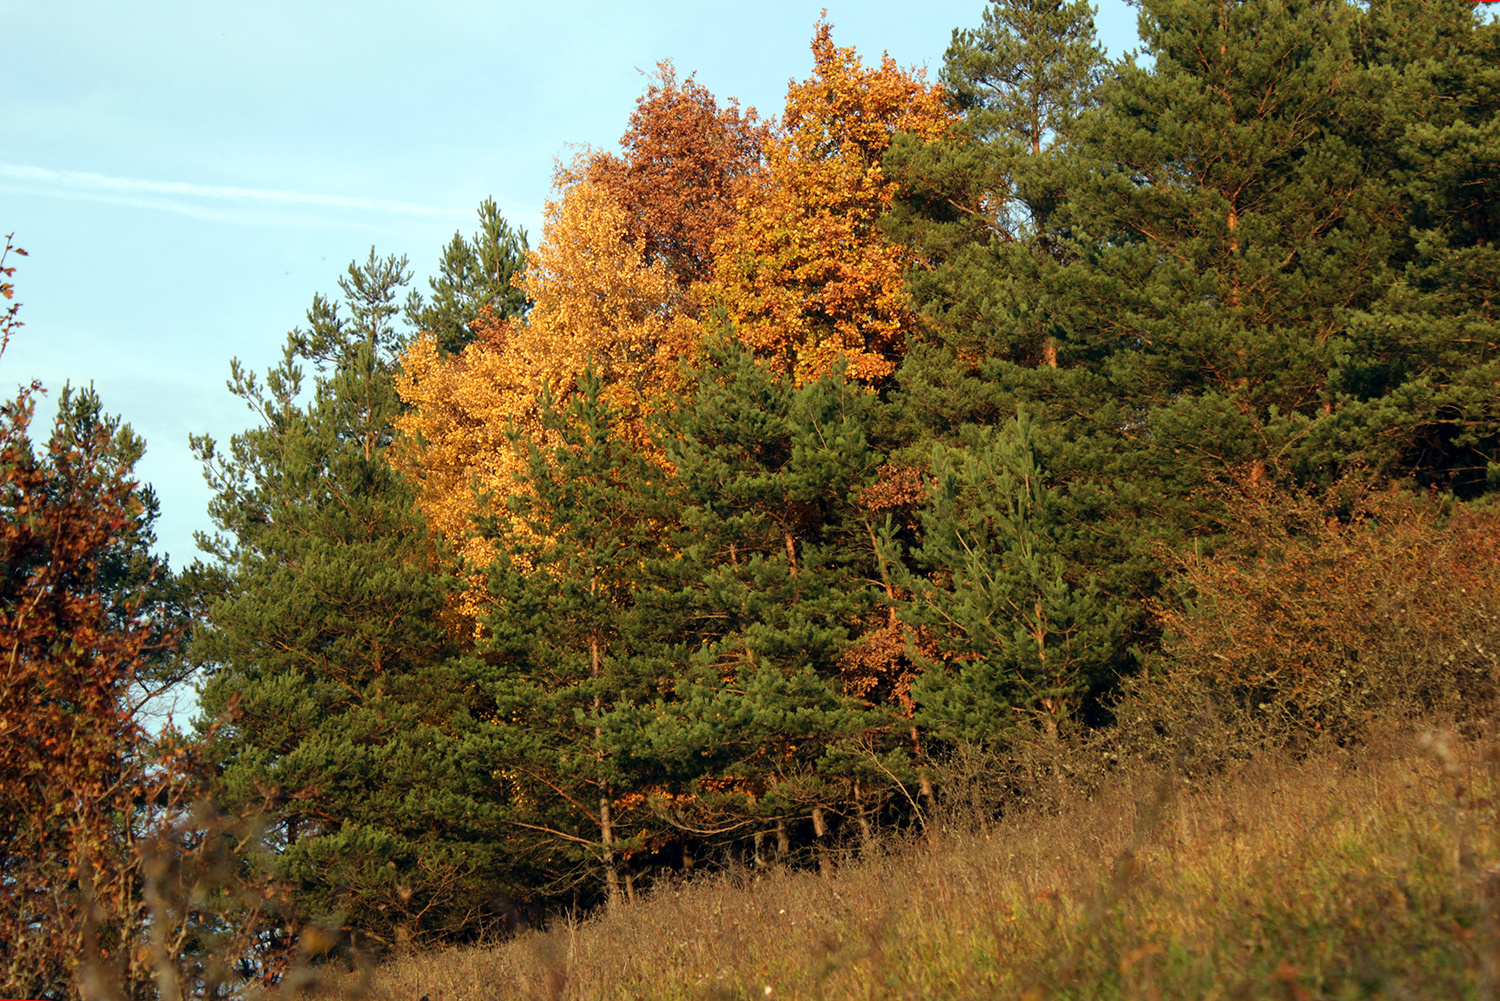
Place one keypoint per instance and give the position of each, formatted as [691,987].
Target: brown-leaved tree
[683,163]
[79,632]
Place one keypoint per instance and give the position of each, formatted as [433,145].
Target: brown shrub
[1318,614]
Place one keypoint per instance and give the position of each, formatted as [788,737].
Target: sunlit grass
[1364,873]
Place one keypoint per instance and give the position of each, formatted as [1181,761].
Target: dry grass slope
[1346,874]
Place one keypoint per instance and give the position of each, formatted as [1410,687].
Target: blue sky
[187,175]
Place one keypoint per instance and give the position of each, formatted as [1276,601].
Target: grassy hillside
[1365,873]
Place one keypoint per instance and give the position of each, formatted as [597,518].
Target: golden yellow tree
[596,301]
[806,274]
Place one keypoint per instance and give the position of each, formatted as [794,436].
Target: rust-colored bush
[1320,612]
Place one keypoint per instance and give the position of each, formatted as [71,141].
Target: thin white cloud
[79,184]
[238,215]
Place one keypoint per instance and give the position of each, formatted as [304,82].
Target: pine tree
[1023,79]
[1229,221]
[333,695]
[474,276]
[988,211]
[771,584]
[1413,383]
[564,642]
[980,206]
[1022,633]
[1275,255]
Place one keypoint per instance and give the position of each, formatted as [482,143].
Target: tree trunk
[611,866]
[924,781]
[862,817]
[820,830]
[606,817]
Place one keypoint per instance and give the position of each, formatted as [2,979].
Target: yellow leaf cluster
[596,302]
[806,274]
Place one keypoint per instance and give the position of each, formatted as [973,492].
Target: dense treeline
[1055,401]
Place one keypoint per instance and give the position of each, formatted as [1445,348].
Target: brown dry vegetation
[1365,873]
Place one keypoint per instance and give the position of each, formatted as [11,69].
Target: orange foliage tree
[69,653]
[79,637]
[806,274]
[65,675]
[682,164]
[116,878]
[596,301]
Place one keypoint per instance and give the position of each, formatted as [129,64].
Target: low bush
[1319,614]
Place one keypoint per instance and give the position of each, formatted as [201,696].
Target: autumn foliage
[69,653]
[807,275]
[75,642]
[116,878]
[1323,609]
[67,737]
[815,478]
[9,321]
[791,249]
[682,166]
[597,301]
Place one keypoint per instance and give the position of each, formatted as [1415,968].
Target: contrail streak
[80,182]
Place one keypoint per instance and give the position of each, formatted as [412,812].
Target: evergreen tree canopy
[1023,633]
[564,638]
[772,582]
[333,699]
[475,276]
